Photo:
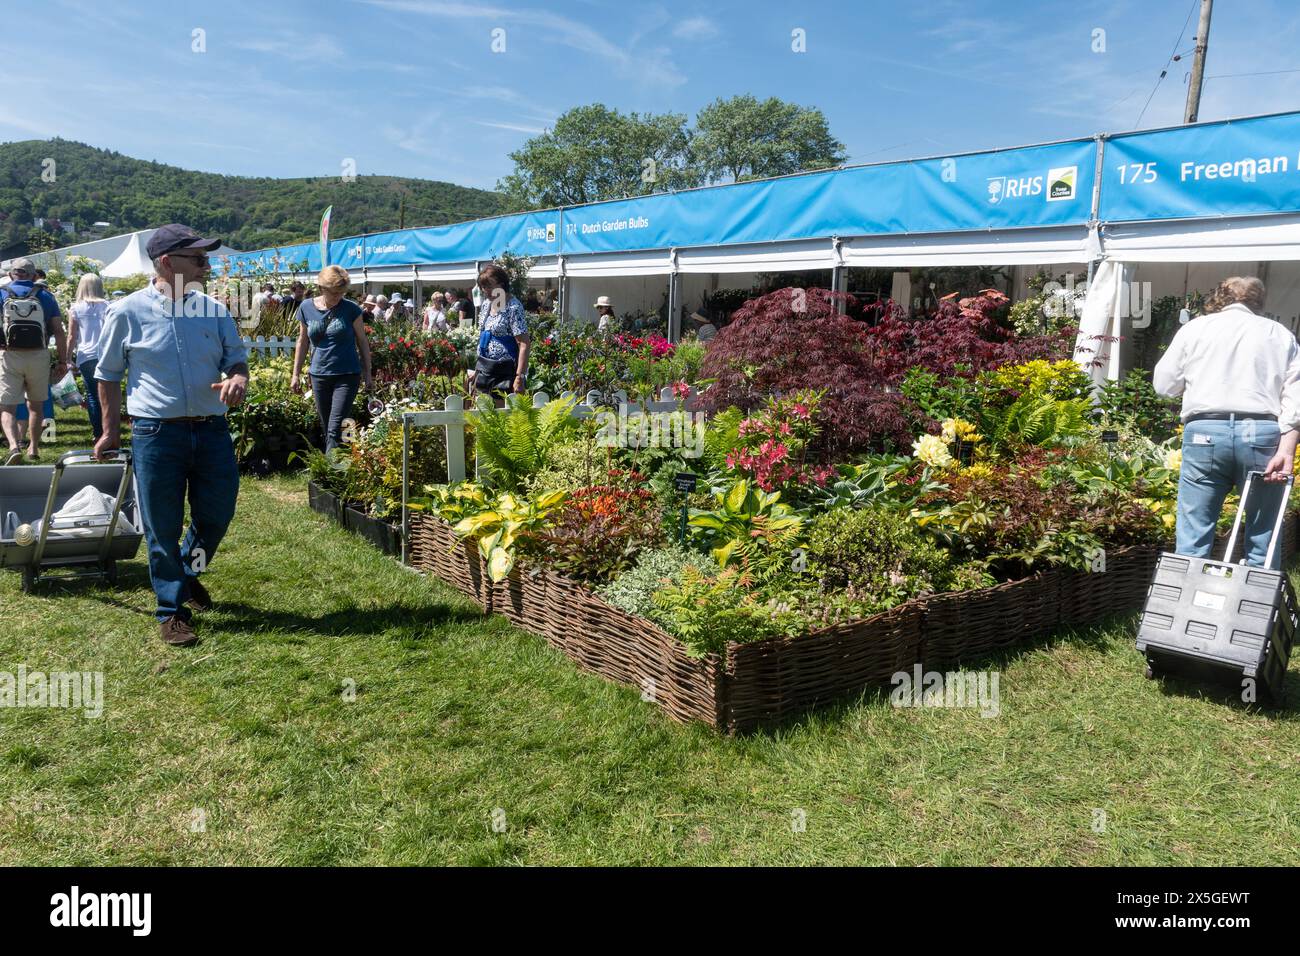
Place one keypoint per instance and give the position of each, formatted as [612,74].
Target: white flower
[932,450]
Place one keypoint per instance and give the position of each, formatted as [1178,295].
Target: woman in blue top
[503,339]
[340,354]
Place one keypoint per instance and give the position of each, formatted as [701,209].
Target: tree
[597,153]
[743,138]
[38,240]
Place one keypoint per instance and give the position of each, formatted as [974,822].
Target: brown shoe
[177,632]
[199,599]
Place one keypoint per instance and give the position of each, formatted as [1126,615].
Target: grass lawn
[246,749]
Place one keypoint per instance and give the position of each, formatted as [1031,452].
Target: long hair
[90,288]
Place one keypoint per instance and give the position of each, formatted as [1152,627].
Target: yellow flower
[1168,520]
[979,470]
[932,450]
[1174,459]
[957,429]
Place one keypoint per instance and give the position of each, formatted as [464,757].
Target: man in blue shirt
[25,361]
[173,343]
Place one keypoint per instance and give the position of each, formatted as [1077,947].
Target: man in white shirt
[1238,373]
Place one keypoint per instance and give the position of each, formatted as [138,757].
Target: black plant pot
[381,534]
[326,502]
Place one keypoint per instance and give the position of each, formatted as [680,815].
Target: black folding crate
[1222,622]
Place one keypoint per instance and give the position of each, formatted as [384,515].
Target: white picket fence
[276,345]
[452,419]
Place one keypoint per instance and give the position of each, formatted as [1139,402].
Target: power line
[1222,76]
[1165,70]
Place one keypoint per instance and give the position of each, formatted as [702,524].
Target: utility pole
[1198,64]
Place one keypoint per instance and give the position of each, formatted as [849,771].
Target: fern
[1036,420]
[512,443]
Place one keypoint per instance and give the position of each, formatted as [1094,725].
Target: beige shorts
[24,375]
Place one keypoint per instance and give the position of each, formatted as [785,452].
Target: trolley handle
[1241,510]
[87,457]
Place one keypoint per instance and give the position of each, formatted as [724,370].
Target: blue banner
[528,234]
[1035,186]
[1234,168]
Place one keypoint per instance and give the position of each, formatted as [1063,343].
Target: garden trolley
[78,547]
[1219,621]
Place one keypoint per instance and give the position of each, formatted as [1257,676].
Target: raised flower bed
[759,684]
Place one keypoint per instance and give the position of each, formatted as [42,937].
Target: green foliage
[748,528]
[1044,311]
[1132,402]
[747,138]
[634,590]
[1061,380]
[881,481]
[956,396]
[500,524]
[880,555]
[706,612]
[1036,420]
[248,213]
[594,153]
[573,463]
[512,443]
[722,437]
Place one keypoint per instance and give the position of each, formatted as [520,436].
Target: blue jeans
[171,458]
[334,397]
[93,409]
[1216,456]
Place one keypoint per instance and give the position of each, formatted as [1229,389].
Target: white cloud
[517,127]
[696,28]
[654,67]
[293,47]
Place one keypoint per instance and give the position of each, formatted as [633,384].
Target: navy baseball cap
[174,237]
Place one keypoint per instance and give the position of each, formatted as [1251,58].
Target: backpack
[24,322]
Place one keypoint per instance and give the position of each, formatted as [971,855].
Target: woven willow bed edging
[755,685]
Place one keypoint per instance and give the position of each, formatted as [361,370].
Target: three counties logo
[1062,183]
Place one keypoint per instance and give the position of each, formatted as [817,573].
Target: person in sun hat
[606,321]
[1238,373]
[29,315]
[174,343]
[397,311]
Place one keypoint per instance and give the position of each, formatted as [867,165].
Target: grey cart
[1222,622]
[62,548]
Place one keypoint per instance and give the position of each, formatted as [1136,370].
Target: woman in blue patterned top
[502,363]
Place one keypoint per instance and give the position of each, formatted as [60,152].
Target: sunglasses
[173,255]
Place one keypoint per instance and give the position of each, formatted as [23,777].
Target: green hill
[92,185]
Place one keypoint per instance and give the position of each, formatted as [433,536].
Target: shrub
[876,553]
[1132,401]
[706,612]
[771,348]
[599,533]
[634,590]
[771,446]
[403,359]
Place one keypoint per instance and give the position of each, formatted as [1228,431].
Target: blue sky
[412,87]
